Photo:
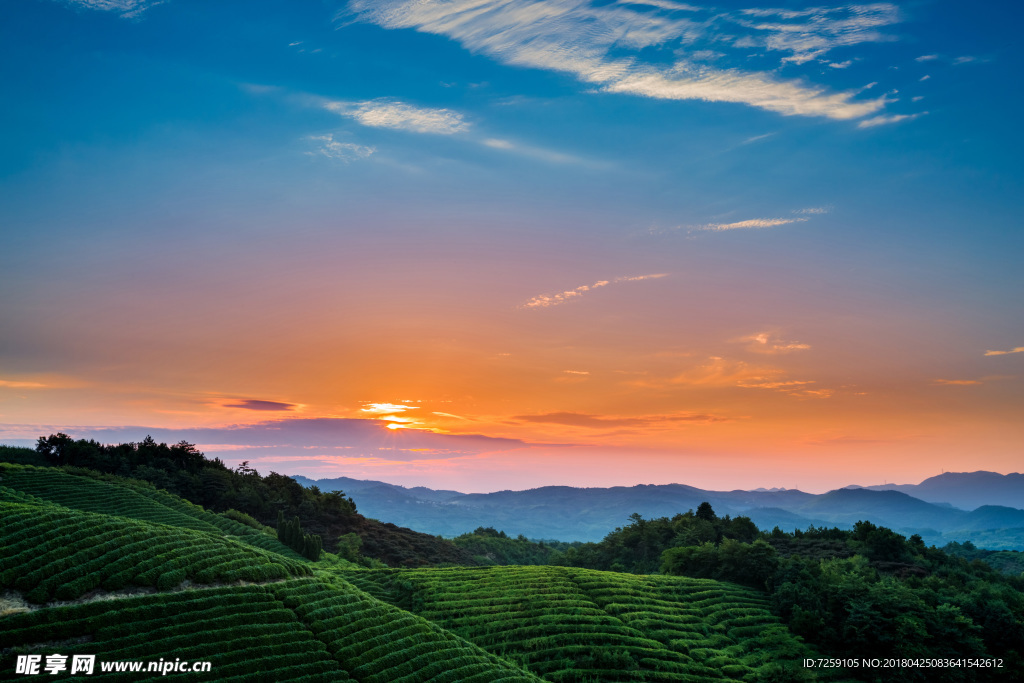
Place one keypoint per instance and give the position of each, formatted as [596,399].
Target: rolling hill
[111,567]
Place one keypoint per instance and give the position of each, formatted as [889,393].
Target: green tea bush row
[376,642]
[84,551]
[82,490]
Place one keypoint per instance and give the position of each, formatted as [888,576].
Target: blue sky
[802,219]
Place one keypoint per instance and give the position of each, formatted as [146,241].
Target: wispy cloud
[388,113]
[926,58]
[343,151]
[15,384]
[957,382]
[809,34]
[547,300]
[887,119]
[539,153]
[255,404]
[622,48]
[770,343]
[793,387]
[604,421]
[748,224]
[457,417]
[757,138]
[1016,349]
[127,9]
[722,372]
[719,372]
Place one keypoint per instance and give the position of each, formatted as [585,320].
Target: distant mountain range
[588,514]
[966,490]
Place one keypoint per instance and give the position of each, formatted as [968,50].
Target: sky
[501,244]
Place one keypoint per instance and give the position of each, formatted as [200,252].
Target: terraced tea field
[126,498]
[149,576]
[52,552]
[301,630]
[568,624]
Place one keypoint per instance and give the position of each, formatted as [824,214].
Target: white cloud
[601,45]
[924,78]
[547,300]
[885,119]
[663,4]
[127,9]
[815,210]
[808,34]
[926,58]
[343,151]
[751,223]
[840,65]
[387,113]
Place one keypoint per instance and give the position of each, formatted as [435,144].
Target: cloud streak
[548,300]
[769,343]
[1017,349]
[255,404]
[388,113]
[343,151]
[14,384]
[654,52]
[127,9]
[603,421]
[752,223]
[311,437]
[887,119]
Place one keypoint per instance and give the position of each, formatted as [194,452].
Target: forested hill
[184,471]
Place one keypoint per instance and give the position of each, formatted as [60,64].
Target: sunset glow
[605,244]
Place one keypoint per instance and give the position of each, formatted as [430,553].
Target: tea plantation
[96,564]
[568,624]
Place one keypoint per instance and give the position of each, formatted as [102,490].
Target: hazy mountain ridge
[966,490]
[588,514]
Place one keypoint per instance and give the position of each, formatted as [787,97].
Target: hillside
[156,577]
[184,471]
